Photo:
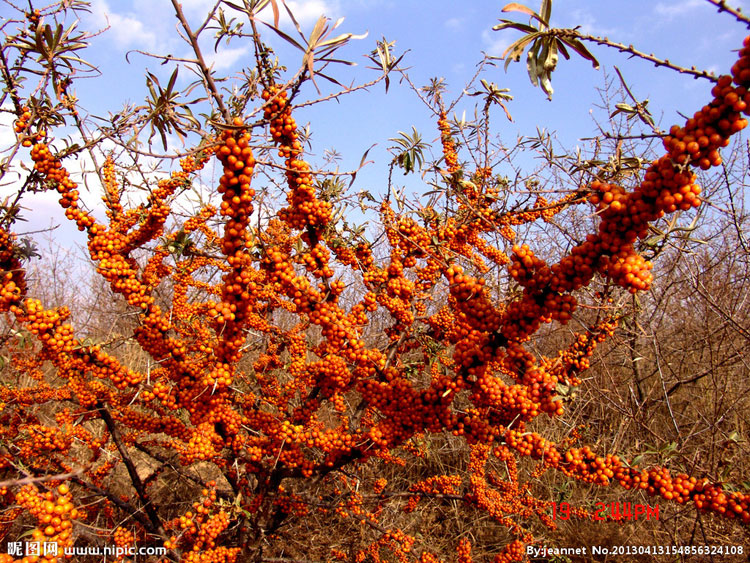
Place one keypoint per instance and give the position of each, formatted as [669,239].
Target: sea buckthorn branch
[126,507]
[58,477]
[171,463]
[133,512]
[633,52]
[449,145]
[59,340]
[132,471]
[317,397]
[11,83]
[536,277]
[510,490]
[206,73]
[238,161]
[625,217]
[14,275]
[321,313]
[724,7]
[585,465]
[109,247]
[304,210]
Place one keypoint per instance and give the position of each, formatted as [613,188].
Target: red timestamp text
[607,511]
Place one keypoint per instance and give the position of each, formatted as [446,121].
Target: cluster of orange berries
[9,292]
[198,221]
[52,170]
[316,261]
[472,299]
[12,276]
[47,325]
[23,120]
[291,504]
[629,269]
[398,542]
[449,145]
[463,551]
[706,496]
[503,498]
[54,512]
[527,269]
[698,142]
[111,196]
[305,209]
[200,530]
[123,537]
[193,163]
[494,254]
[236,156]
[575,358]
[514,551]
[437,485]
[331,374]
[34,16]
[412,238]
[43,439]
[202,445]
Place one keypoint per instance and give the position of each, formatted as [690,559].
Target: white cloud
[38,209]
[495,43]
[454,24]
[125,29]
[199,7]
[226,58]
[586,22]
[672,10]
[306,12]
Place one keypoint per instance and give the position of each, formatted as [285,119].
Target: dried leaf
[516,7]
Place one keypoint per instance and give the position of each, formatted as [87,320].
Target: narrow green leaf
[284,36]
[563,50]
[578,47]
[515,25]
[172,79]
[294,20]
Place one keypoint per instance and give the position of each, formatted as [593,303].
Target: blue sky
[442,39]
